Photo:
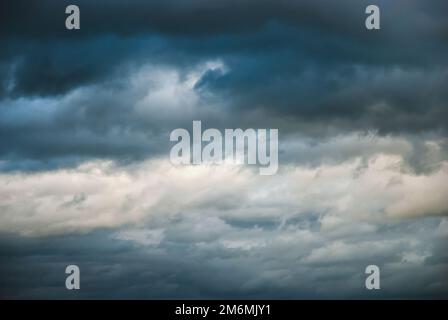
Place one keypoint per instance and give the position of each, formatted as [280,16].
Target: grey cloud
[363,143]
[304,67]
[188,266]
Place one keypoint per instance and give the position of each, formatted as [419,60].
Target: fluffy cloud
[103,194]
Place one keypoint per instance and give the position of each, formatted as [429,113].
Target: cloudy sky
[85,175]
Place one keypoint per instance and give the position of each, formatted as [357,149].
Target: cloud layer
[102,195]
[85,118]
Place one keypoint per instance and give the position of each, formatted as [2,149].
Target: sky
[86,179]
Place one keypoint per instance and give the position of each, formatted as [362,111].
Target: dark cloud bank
[294,63]
[180,268]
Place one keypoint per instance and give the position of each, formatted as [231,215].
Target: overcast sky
[85,176]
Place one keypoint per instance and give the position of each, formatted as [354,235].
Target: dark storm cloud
[186,265]
[51,59]
[311,62]
[116,88]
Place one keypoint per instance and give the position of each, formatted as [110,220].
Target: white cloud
[101,194]
[140,236]
[414,257]
[169,94]
[341,251]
